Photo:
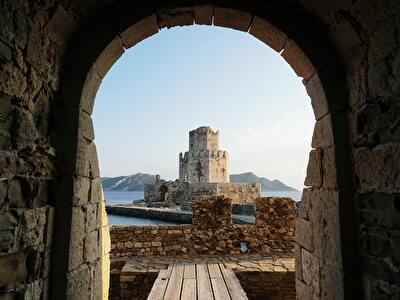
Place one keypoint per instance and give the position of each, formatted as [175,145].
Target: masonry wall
[212,232]
[240,193]
[41,200]
[268,285]
[182,192]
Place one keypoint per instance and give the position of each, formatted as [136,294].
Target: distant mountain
[134,182]
[137,181]
[266,184]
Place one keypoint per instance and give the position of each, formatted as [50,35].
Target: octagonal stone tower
[204,162]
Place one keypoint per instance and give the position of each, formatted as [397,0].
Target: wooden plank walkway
[197,281]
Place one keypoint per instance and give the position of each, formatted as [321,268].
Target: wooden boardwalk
[197,281]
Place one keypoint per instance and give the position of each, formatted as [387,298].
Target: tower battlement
[204,162]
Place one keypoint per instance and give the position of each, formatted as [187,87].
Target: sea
[124,197]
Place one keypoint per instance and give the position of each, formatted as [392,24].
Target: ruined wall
[268,285]
[212,232]
[240,193]
[176,192]
[183,193]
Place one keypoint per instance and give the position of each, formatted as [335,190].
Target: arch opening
[326,172]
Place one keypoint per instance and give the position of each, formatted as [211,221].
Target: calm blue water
[123,197]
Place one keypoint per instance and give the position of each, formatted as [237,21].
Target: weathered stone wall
[45,227]
[240,193]
[176,192]
[204,162]
[181,192]
[212,232]
[268,285]
[136,286]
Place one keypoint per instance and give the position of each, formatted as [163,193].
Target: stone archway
[325,232]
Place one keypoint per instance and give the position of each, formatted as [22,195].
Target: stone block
[105,240]
[212,211]
[378,202]
[96,191]
[24,129]
[306,204]
[92,219]
[298,60]
[274,212]
[203,14]
[61,26]
[15,195]
[87,164]
[33,228]
[8,164]
[303,292]
[316,91]
[92,248]
[232,18]
[310,267]
[304,234]
[8,220]
[89,90]
[77,235]
[331,282]
[324,216]
[139,31]
[12,81]
[329,168]
[109,56]
[323,135]
[268,33]
[298,262]
[86,126]
[7,238]
[79,283]
[346,39]
[171,17]
[314,169]
[377,169]
[13,270]
[73,191]
[102,214]
[33,290]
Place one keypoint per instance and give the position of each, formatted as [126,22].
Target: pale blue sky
[187,77]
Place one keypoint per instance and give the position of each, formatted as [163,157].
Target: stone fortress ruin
[204,162]
[203,171]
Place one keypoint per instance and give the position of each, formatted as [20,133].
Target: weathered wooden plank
[160,285]
[204,291]
[219,289]
[173,291]
[190,271]
[189,289]
[214,271]
[232,282]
